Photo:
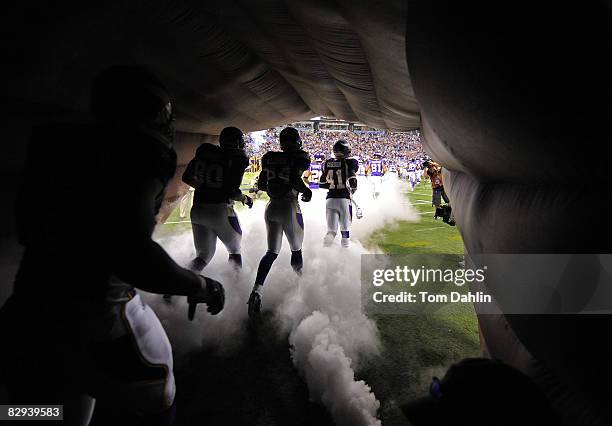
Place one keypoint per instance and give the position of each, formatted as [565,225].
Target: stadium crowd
[394,147]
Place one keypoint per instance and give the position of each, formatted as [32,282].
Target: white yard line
[182,221]
[428,229]
[426,212]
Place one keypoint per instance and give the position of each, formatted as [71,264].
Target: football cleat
[345,242]
[329,239]
[254,305]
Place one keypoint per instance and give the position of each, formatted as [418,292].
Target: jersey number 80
[210,174]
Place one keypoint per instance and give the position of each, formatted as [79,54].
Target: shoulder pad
[352,163]
[301,158]
[272,157]
[234,152]
[207,150]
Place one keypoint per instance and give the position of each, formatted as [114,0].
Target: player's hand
[307,196]
[248,201]
[353,190]
[211,293]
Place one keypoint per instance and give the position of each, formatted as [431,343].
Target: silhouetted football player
[281,178]
[339,176]
[216,174]
[83,330]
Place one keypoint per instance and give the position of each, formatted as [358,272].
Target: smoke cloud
[320,312]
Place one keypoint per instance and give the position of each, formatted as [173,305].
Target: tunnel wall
[515,103]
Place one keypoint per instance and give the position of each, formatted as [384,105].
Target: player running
[216,174]
[339,177]
[376,170]
[281,178]
[413,174]
[313,174]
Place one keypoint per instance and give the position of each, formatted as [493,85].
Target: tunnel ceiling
[253,64]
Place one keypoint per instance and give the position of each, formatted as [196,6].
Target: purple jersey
[315,174]
[376,167]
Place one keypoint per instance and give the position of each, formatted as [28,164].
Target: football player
[83,329]
[339,177]
[216,174]
[377,169]
[362,167]
[281,178]
[413,174]
[313,174]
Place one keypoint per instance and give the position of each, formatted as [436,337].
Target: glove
[307,196]
[248,201]
[353,190]
[211,292]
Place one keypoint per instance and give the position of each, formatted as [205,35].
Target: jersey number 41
[334,178]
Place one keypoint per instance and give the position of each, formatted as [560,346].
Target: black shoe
[254,305]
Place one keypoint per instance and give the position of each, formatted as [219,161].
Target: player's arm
[262,180]
[296,181]
[323,183]
[191,175]
[134,257]
[353,167]
[235,180]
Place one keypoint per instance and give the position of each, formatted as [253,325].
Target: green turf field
[428,236]
[417,347]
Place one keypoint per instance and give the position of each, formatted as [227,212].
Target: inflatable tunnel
[513,99]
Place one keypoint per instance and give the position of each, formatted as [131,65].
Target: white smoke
[320,312]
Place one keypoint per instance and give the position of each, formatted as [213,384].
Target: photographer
[433,172]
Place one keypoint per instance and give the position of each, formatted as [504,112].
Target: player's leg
[205,241]
[203,219]
[436,198]
[293,226]
[345,216]
[375,186]
[230,234]
[333,216]
[274,230]
[444,196]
